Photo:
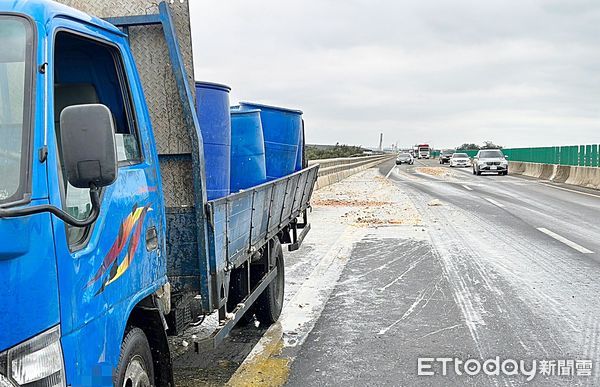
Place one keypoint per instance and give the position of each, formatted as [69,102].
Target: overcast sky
[517,72]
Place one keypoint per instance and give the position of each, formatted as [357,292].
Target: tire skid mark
[413,265]
[544,263]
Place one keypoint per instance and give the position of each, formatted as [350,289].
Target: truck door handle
[151,239]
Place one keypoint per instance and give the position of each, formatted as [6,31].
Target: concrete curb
[335,170]
[588,177]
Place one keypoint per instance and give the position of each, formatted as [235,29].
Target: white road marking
[571,190]
[495,202]
[564,240]
[467,187]
[390,172]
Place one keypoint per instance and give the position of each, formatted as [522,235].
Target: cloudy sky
[517,72]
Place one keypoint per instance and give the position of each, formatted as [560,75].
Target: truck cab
[424,151]
[108,243]
[66,281]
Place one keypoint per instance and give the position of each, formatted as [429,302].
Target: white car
[460,160]
[490,160]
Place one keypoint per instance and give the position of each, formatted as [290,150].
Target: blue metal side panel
[182,249]
[240,212]
[300,190]
[290,195]
[277,206]
[218,259]
[260,216]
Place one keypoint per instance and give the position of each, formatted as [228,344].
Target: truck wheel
[270,302]
[135,367]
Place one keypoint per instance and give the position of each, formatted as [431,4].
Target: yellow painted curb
[264,366]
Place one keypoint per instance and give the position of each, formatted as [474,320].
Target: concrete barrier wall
[334,170]
[588,177]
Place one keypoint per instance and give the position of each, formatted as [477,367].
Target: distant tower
[380,142]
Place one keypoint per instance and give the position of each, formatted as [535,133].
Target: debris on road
[435,203]
[371,200]
[444,173]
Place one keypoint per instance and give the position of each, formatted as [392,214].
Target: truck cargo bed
[242,223]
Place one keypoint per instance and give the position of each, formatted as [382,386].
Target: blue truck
[108,243]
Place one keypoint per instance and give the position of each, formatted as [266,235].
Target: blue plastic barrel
[212,106]
[281,129]
[300,154]
[248,167]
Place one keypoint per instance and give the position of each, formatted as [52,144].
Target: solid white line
[495,202]
[390,172]
[564,240]
[467,187]
[571,190]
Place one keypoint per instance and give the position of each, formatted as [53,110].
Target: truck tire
[135,363]
[269,304]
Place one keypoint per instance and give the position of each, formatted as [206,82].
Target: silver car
[404,158]
[460,160]
[490,160]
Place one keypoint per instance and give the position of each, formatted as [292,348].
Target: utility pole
[381,142]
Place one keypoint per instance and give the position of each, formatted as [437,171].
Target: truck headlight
[38,361]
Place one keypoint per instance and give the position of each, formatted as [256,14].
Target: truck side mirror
[90,159]
[88,145]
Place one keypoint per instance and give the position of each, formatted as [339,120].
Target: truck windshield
[15,89]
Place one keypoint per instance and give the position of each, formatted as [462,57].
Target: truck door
[106,268]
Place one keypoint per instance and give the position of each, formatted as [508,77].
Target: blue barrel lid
[213,85]
[263,106]
[242,112]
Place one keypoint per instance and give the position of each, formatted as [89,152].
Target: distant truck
[424,151]
[107,240]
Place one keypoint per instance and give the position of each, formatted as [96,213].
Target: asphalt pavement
[502,268]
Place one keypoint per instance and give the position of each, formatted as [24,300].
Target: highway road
[429,262]
[508,268]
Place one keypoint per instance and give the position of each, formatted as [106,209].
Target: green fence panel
[573,155]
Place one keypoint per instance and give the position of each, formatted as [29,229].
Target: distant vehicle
[460,160]
[490,160]
[405,158]
[424,151]
[446,155]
